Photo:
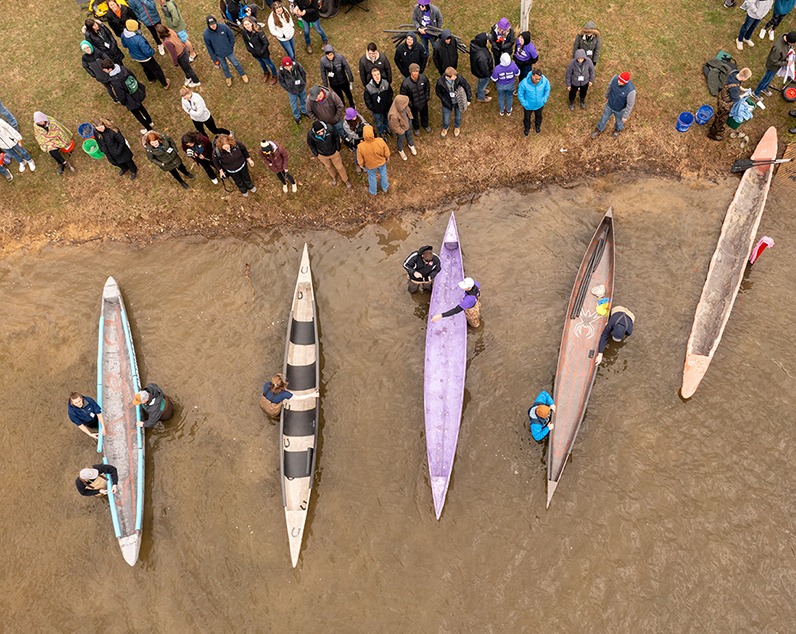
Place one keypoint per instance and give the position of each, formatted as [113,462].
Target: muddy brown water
[672,516]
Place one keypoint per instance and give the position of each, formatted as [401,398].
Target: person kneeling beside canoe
[86,413]
[156,404]
[275,395]
[539,416]
[470,304]
[94,480]
[619,326]
[422,267]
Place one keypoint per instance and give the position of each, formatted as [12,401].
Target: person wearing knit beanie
[275,158]
[540,416]
[293,79]
[131,25]
[619,101]
[777,58]
[418,88]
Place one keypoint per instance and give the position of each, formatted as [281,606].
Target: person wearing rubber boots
[470,304]
[618,328]
[422,267]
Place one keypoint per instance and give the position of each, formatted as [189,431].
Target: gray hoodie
[580,73]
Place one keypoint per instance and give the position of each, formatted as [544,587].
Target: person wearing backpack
[128,92]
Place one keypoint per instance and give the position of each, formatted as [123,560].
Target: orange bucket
[68,149]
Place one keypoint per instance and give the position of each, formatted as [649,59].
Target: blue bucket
[85,130]
[684,121]
[704,114]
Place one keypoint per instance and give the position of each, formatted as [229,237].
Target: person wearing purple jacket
[580,75]
[505,77]
[470,304]
[525,54]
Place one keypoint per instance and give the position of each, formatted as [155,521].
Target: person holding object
[620,97]
[501,39]
[86,414]
[275,157]
[777,58]
[728,96]
[540,415]
[94,480]
[424,15]
[470,304]
[422,267]
[618,328]
[157,406]
[179,54]
[455,95]
[199,148]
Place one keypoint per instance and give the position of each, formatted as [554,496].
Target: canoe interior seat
[298,464]
[302,333]
[299,423]
[301,377]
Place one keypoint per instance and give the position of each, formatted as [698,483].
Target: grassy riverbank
[662,46]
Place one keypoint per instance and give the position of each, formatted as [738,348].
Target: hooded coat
[445,55]
[580,73]
[372,152]
[276,160]
[481,62]
[506,72]
[432,17]
[378,99]
[9,136]
[330,110]
[165,155]
[404,56]
[589,40]
[117,79]
[399,118]
[525,54]
[54,137]
[419,92]
[533,96]
[324,143]
[146,11]
[114,146]
[336,72]
[501,43]
[104,41]
[137,46]
[91,64]
[366,65]
[220,43]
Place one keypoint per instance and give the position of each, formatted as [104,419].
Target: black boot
[792,131]
[792,113]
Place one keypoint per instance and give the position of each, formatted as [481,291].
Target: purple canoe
[446,360]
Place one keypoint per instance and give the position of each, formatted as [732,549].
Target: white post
[525,9]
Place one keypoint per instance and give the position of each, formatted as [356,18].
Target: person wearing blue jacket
[533,93]
[220,43]
[540,416]
[142,52]
[85,413]
[147,13]
[618,328]
[781,9]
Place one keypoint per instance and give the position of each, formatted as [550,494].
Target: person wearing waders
[422,267]
[94,480]
[618,328]
[156,404]
[540,415]
[728,96]
[470,304]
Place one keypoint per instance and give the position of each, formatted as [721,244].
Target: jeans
[425,42]
[290,48]
[298,103]
[399,139]
[6,114]
[480,88]
[525,71]
[505,98]
[317,27]
[4,172]
[18,153]
[380,122]
[267,65]
[446,117]
[767,79]
[748,28]
[338,127]
[381,172]
[234,61]
[617,114]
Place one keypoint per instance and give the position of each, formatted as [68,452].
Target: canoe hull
[728,264]
[445,364]
[122,442]
[299,425]
[576,368]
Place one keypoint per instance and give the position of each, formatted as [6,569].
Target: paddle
[741,165]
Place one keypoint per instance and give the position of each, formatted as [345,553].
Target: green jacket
[778,56]
[165,156]
[172,16]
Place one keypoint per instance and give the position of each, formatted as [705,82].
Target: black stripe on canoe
[302,333]
[301,377]
[299,422]
[298,464]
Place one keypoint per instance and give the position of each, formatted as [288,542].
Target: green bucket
[91,148]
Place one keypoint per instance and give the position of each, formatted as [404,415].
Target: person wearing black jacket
[481,65]
[378,99]
[157,406]
[117,20]
[410,52]
[446,54]
[325,143]
[94,480]
[198,147]
[102,39]
[309,12]
[373,59]
[451,88]
[336,74]
[231,158]
[92,63]
[113,144]
[422,267]
[418,88]
[122,82]
[257,44]
[501,39]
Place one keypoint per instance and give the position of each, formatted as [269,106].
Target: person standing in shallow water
[422,267]
[470,304]
[618,328]
[86,413]
[540,416]
[94,480]
[157,406]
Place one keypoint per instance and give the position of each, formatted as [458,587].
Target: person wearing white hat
[94,480]
[470,304]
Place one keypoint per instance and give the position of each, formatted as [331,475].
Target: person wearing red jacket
[275,157]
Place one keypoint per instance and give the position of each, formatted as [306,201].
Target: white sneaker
[253,190]
[413,150]
[143,130]
[32,165]
[771,35]
[21,167]
[161,50]
[284,188]
[762,33]
[214,181]
[194,84]
[749,42]
[402,154]
[293,188]
[739,45]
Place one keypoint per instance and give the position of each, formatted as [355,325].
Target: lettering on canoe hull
[295,532]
